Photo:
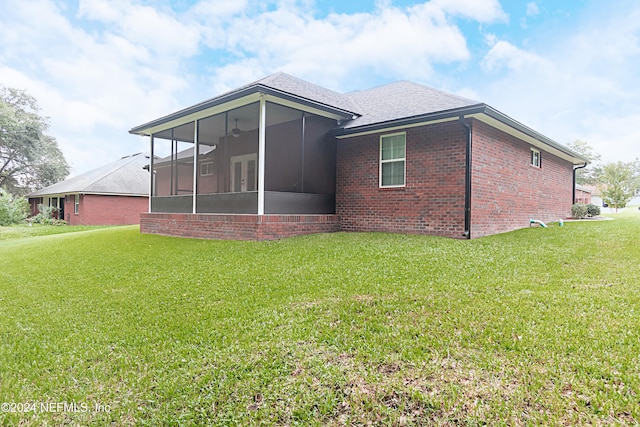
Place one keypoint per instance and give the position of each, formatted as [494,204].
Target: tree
[29,158]
[589,174]
[619,183]
[13,209]
[636,176]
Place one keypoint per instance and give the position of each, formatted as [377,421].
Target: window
[76,206]
[535,158]
[392,160]
[206,168]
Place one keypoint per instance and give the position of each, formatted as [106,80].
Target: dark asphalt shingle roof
[388,105]
[380,104]
[124,176]
[304,89]
[401,100]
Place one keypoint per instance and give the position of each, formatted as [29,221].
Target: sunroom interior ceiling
[245,118]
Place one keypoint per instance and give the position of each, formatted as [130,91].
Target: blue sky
[568,69]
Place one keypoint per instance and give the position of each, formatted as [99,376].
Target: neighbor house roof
[124,176]
[186,155]
[391,106]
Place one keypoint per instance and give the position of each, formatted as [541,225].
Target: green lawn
[534,327]
[20,231]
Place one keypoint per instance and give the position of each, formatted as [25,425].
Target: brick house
[583,194]
[282,157]
[113,194]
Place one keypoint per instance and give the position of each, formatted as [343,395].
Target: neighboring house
[595,196]
[583,194]
[114,194]
[282,157]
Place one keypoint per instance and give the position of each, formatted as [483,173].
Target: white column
[196,149]
[261,152]
[151,175]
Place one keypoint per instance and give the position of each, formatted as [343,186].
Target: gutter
[467,180]
[482,112]
[573,191]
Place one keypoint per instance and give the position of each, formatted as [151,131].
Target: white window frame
[403,159]
[208,170]
[76,204]
[536,161]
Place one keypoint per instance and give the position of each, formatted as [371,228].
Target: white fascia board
[48,195]
[397,127]
[117,194]
[306,108]
[523,136]
[90,193]
[236,103]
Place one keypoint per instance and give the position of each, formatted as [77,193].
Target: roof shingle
[125,176]
[401,100]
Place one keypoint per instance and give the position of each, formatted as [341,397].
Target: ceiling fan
[235,132]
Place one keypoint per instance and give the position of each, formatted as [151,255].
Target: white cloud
[582,85]
[504,54]
[388,41]
[532,9]
[157,30]
[485,11]
[94,82]
[208,11]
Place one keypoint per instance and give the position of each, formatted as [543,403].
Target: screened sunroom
[262,157]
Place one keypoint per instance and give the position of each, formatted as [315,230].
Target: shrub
[46,216]
[593,210]
[579,210]
[13,209]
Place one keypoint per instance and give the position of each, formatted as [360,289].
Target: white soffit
[231,105]
[396,128]
[306,108]
[236,103]
[522,136]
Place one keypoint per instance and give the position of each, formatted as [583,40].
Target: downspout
[467,181]
[304,124]
[575,168]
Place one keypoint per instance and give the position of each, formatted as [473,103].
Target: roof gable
[303,89]
[124,176]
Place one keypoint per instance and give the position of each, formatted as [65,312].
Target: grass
[533,327]
[20,231]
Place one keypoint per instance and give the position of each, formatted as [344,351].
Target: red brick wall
[507,191]
[106,210]
[237,227]
[432,202]
[582,196]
